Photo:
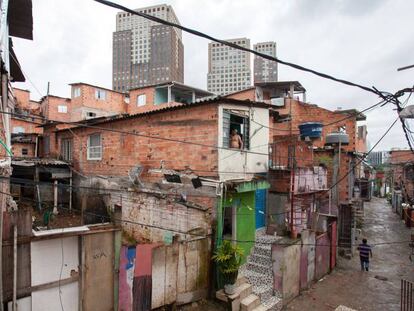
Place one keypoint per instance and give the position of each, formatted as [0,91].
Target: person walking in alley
[365,253]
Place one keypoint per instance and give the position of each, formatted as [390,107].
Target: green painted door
[245,219]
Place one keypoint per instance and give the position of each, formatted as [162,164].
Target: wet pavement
[378,289]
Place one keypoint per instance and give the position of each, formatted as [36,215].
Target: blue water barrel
[310,129]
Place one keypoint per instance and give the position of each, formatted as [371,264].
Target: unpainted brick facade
[24,150]
[23,101]
[50,108]
[29,125]
[94,99]
[121,152]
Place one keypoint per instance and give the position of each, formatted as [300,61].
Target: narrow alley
[378,289]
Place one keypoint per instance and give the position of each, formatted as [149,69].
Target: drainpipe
[169,93]
[337,175]
[70,192]
[36,146]
[14,267]
[4,103]
[55,197]
[292,195]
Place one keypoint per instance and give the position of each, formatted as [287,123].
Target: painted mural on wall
[126,277]
[135,278]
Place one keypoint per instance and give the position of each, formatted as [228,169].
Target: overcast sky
[364,41]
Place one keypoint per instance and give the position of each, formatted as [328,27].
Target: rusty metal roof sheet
[20,19]
[38,161]
[200,101]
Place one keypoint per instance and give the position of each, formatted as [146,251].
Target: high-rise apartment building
[264,69]
[146,52]
[229,69]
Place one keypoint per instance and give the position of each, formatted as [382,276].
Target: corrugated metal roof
[200,101]
[20,19]
[38,161]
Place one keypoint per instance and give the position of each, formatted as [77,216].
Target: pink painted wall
[322,254]
[126,277]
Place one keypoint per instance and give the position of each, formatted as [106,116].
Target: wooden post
[83,207]
[55,196]
[70,190]
[14,308]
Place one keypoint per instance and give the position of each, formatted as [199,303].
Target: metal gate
[407,296]
[345,226]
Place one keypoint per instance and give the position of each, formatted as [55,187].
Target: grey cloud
[360,40]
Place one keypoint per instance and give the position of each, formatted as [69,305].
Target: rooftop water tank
[337,137]
[310,129]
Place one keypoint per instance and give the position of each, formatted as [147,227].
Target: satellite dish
[134,175]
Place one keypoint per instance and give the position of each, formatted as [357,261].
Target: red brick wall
[149,106]
[401,156]
[50,108]
[244,95]
[302,150]
[29,126]
[22,99]
[122,151]
[114,101]
[149,92]
[302,113]
[17,149]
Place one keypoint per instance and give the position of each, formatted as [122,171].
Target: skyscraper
[146,52]
[229,69]
[265,70]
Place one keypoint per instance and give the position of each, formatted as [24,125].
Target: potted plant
[228,257]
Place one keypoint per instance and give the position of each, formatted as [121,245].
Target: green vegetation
[228,258]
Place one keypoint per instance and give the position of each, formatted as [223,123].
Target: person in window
[235,140]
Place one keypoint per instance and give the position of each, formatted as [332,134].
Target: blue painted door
[260,207]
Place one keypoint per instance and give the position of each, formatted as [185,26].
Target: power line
[351,115]
[360,161]
[126,197]
[209,235]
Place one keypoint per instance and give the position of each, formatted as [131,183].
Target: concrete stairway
[245,300]
[259,273]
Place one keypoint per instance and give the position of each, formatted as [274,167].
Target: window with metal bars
[94,147]
[237,120]
[66,149]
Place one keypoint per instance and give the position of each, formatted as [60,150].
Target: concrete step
[262,249]
[263,260]
[274,303]
[255,278]
[264,291]
[242,292]
[267,239]
[240,280]
[257,267]
[249,303]
[260,308]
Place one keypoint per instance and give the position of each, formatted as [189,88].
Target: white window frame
[94,149]
[18,129]
[76,92]
[100,94]
[66,146]
[62,109]
[141,100]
